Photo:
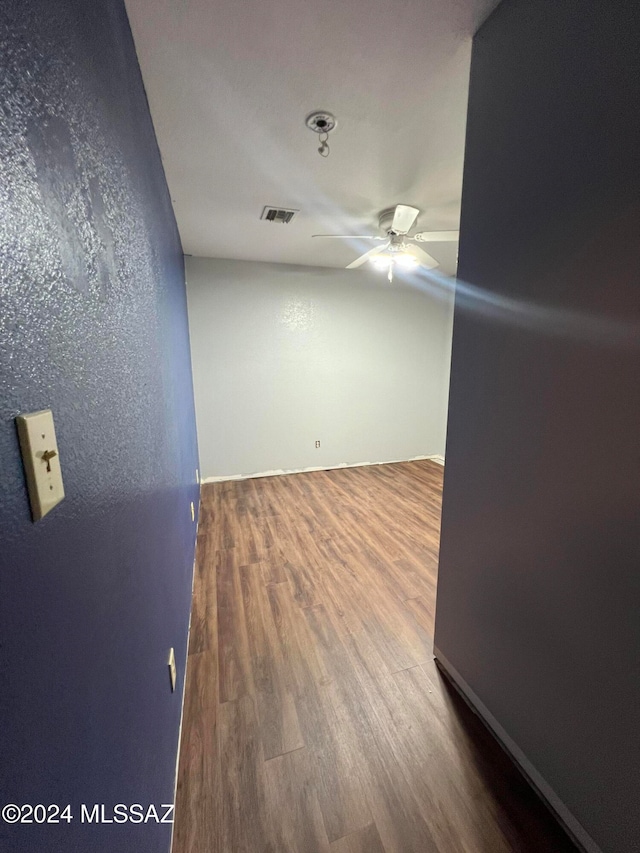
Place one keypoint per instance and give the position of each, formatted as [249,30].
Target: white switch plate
[172,669]
[41,461]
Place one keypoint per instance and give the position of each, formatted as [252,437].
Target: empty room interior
[319,324]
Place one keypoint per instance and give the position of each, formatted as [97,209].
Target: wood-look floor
[315,719]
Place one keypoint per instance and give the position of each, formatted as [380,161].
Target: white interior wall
[284,356]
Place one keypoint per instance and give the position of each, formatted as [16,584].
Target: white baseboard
[570,823]
[279,473]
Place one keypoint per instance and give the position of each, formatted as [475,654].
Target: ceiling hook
[324,149]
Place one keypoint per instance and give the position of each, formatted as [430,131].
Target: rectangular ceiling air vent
[278,214]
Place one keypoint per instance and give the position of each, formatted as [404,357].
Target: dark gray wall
[93,324]
[539,593]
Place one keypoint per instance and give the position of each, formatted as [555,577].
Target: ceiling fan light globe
[406,261]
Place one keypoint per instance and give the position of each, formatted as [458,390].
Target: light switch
[172,669]
[41,461]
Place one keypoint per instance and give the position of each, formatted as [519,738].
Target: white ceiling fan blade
[403,218]
[424,258]
[436,236]
[349,236]
[364,258]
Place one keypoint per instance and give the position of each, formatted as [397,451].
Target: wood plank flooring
[315,718]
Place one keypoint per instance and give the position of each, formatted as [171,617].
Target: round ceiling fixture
[321,121]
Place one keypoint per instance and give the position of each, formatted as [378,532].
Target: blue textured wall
[93,325]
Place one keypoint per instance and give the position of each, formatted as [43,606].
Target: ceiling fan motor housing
[396,243]
[386,219]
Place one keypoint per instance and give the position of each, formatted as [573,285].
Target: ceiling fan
[397,249]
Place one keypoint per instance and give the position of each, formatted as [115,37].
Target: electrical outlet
[171,663]
[317,444]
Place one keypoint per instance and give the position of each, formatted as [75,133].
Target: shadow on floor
[523,816]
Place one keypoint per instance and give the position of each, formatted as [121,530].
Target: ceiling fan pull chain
[324,149]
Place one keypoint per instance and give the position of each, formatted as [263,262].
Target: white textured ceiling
[230,83]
